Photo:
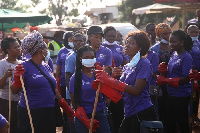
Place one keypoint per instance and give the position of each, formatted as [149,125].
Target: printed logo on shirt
[35,76]
[101,56]
[178,62]
[85,83]
[62,55]
[118,49]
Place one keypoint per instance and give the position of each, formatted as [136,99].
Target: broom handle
[95,105]
[9,118]
[27,105]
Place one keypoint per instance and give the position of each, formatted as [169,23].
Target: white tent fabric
[155,8]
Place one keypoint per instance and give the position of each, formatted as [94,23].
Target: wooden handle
[95,106]
[9,116]
[27,105]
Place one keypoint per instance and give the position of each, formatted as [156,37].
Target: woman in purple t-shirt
[83,95]
[134,83]
[177,81]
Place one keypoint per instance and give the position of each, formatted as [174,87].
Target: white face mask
[195,38]
[88,62]
[164,41]
[134,60]
[48,56]
[110,44]
[71,44]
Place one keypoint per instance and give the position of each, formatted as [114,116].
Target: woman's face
[44,52]
[110,36]
[14,49]
[70,39]
[193,31]
[131,47]
[95,40]
[88,55]
[165,34]
[175,43]
[78,42]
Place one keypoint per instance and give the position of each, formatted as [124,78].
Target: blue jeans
[99,116]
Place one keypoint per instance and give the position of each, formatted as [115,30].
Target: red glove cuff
[17,83]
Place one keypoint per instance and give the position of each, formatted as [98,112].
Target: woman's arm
[14,89]
[137,88]
[75,106]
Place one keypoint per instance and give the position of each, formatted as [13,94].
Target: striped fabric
[32,42]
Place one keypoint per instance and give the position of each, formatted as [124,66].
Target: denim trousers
[99,116]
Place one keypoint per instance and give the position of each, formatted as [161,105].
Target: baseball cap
[95,30]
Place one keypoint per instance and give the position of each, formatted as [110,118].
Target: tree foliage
[59,9]
[126,8]
[13,4]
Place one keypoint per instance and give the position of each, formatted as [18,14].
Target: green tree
[126,8]
[13,4]
[58,10]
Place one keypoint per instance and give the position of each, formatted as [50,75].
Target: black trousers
[132,125]
[43,120]
[117,115]
[177,114]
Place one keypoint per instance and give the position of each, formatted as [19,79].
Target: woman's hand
[116,71]
[8,73]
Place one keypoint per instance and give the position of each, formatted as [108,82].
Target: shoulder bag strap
[49,80]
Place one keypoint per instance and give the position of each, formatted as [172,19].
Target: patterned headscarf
[160,28]
[32,42]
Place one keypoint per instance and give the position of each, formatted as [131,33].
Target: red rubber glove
[19,70]
[98,67]
[195,86]
[58,85]
[68,110]
[81,115]
[103,77]
[161,80]
[162,68]
[194,75]
[110,92]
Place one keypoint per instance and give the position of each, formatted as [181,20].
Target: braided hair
[78,75]
[6,42]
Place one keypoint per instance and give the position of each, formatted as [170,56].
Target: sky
[94,3]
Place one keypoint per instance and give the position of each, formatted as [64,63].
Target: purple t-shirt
[3,121]
[88,94]
[117,54]
[154,61]
[179,66]
[195,53]
[62,55]
[134,104]
[38,89]
[28,56]
[104,56]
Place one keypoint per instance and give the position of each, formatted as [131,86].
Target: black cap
[67,34]
[95,30]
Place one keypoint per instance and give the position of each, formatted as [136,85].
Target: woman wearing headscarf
[163,50]
[40,94]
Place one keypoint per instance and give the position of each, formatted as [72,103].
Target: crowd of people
[151,75]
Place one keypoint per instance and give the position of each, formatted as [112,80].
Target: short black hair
[79,34]
[5,43]
[149,24]
[108,28]
[142,40]
[182,36]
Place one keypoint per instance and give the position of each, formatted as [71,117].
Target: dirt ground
[196,129]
